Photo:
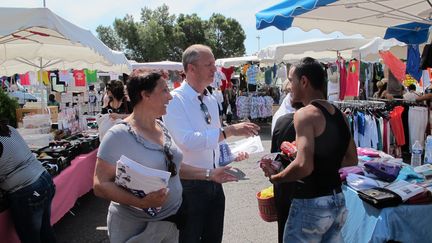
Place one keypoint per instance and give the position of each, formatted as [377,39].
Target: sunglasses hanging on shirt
[205,110]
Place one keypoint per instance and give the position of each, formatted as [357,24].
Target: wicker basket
[267,208]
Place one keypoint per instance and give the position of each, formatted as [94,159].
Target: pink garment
[228,74]
[25,79]
[396,66]
[367,152]
[343,77]
[72,183]
[352,82]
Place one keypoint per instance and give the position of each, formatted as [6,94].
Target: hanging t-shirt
[65,76]
[251,74]
[413,62]
[80,78]
[228,72]
[268,76]
[91,75]
[32,78]
[343,77]
[44,77]
[282,73]
[352,83]
[217,78]
[226,83]
[25,80]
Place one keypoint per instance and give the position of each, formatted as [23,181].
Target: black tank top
[330,149]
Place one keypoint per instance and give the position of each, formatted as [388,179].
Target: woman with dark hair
[143,138]
[118,105]
[29,187]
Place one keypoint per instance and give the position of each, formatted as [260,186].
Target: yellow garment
[44,78]
[267,193]
[245,68]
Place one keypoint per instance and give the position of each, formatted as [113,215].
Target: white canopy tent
[35,38]
[276,53]
[165,65]
[236,61]
[326,51]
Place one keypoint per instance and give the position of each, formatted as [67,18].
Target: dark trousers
[204,208]
[283,193]
[31,210]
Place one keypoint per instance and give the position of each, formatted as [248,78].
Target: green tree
[8,106]
[225,36]
[193,28]
[159,35]
[108,36]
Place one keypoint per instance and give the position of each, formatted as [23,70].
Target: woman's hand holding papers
[154,199]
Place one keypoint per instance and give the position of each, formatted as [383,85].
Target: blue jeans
[203,208]
[316,220]
[31,210]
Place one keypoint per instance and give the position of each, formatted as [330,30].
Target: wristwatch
[223,132]
[207,175]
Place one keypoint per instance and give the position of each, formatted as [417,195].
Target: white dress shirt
[284,108]
[186,123]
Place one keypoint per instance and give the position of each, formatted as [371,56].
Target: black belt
[302,194]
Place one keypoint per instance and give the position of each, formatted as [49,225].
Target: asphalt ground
[86,222]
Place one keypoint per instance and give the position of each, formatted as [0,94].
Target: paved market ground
[242,221]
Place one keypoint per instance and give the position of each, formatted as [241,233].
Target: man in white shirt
[192,119]
[411,95]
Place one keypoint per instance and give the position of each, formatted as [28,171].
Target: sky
[89,14]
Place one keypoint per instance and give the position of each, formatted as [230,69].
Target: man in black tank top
[324,145]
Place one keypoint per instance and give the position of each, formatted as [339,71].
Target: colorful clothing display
[343,77]
[80,78]
[352,81]
[91,75]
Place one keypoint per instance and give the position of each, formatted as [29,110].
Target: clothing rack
[398,101]
[359,104]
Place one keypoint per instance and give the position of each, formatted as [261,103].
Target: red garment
[396,125]
[228,73]
[343,78]
[352,82]
[396,66]
[25,79]
[80,78]
[176,84]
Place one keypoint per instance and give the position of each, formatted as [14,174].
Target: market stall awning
[165,65]
[370,18]
[236,61]
[277,52]
[36,38]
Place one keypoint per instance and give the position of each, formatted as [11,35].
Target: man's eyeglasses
[204,109]
[172,168]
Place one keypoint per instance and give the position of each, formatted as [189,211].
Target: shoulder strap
[322,108]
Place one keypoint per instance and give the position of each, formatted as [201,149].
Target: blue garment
[31,210]
[204,207]
[274,69]
[361,122]
[268,76]
[413,62]
[316,220]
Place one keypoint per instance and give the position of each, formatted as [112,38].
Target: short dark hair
[117,89]
[412,87]
[51,97]
[4,129]
[141,80]
[313,70]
